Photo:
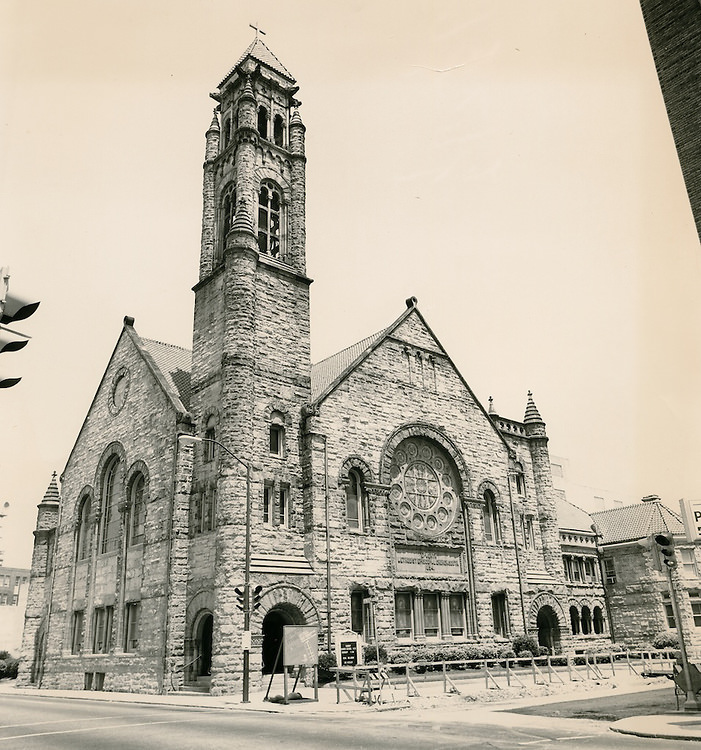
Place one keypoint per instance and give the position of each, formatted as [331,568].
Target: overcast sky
[508,163]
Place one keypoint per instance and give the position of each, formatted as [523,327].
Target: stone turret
[545,493]
[39,592]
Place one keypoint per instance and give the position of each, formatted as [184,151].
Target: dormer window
[269,219]
[263,122]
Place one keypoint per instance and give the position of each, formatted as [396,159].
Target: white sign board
[300,646]
[349,649]
[691,515]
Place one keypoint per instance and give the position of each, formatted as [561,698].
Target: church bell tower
[251,351]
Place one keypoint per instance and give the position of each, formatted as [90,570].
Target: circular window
[120,388]
[423,487]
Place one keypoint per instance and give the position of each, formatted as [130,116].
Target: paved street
[44,722]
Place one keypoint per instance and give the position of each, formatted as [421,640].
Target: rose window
[424,488]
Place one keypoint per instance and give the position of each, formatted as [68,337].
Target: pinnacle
[532,413]
[52,494]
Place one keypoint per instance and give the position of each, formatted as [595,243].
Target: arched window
[598,621]
[210,435]
[357,506]
[278,131]
[270,219]
[586,621]
[137,509]
[574,620]
[263,122]
[109,538]
[490,515]
[84,530]
[226,133]
[277,434]
[519,480]
[228,211]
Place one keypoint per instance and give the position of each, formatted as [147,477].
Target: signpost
[691,515]
[349,649]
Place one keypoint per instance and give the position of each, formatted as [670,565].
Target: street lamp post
[246,639]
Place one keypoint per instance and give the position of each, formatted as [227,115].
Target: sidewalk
[681,726]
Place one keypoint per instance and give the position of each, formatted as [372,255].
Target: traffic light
[13,307]
[257,594]
[665,544]
[240,604]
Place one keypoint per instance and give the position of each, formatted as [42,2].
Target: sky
[510,164]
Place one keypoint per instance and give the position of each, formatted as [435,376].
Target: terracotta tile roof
[258,50]
[636,522]
[175,364]
[329,370]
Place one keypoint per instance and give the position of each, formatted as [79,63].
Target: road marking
[73,720]
[577,737]
[92,729]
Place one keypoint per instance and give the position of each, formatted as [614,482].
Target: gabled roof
[332,368]
[572,518]
[175,364]
[259,51]
[637,521]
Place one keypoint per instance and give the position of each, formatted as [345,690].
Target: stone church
[369,492]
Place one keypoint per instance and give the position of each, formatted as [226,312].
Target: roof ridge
[165,343]
[372,337]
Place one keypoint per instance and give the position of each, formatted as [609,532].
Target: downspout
[518,559]
[328,548]
[470,569]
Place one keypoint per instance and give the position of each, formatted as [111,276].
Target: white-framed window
[695,601]
[688,559]
[491,518]
[456,609]
[432,615]
[84,530]
[669,612]
[137,509]
[284,506]
[277,434]
[270,220]
[500,614]
[441,615]
[268,503]
[210,435]
[362,620]
[77,631]
[404,614]
[109,539]
[132,617]
[102,629]
[357,505]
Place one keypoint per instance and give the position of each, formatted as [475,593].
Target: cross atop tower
[257,30]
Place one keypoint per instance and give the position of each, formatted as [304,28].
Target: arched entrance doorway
[203,645]
[548,629]
[273,624]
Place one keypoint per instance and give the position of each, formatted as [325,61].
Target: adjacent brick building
[384,498]
[637,584]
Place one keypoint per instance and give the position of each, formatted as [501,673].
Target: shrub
[666,640]
[524,654]
[8,668]
[370,654]
[543,651]
[327,661]
[524,643]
